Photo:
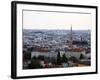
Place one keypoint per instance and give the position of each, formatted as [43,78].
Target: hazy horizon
[61,29]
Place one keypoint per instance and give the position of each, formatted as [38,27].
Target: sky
[56,20]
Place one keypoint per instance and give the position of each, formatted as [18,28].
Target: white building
[73,54]
[54,54]
[46,54]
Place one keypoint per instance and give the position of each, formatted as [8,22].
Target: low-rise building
[73,53]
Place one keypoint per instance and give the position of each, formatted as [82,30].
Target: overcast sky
[54,20]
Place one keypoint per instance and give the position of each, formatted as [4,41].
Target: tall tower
[71,38]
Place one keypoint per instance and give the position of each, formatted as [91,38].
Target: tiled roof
[78,49]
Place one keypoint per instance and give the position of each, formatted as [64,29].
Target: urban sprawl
[56,48]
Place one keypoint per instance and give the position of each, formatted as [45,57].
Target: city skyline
[56,48]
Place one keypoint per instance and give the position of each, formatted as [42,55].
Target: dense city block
[56,48]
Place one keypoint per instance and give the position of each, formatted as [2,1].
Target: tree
[64,58]
[58,58]
[26,55]
[34,57]
[81,56]
[53,60]
[73,59]
[34,64]
[40,57]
